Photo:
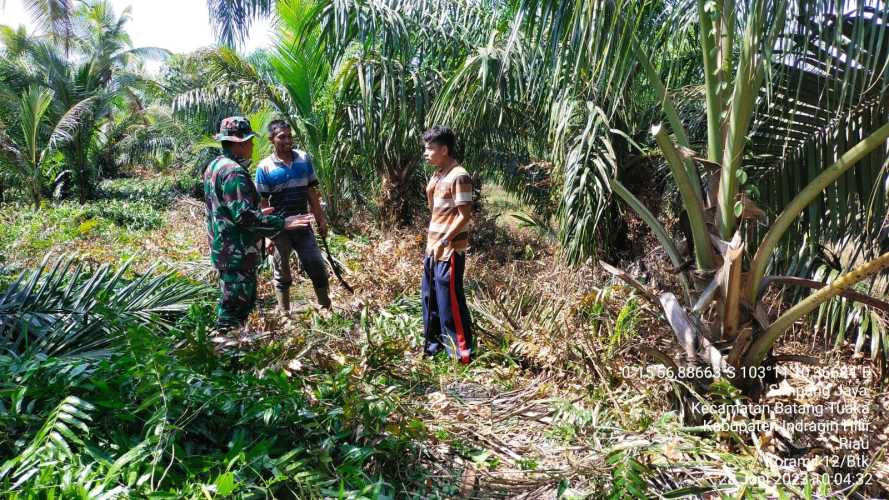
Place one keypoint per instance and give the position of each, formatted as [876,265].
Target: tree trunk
[82,186]
[394,202]
[395,196]
[34,186]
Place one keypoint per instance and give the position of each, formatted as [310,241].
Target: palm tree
[789,89]
[388,63]
[91,67]
[353,100]
[770,46]
[24,152]
[53,17]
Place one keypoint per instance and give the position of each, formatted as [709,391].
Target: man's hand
[268,210]
[298,221]
[270,246]
[439,248]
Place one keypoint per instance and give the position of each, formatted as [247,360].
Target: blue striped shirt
[286,186]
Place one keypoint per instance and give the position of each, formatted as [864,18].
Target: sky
[175,25]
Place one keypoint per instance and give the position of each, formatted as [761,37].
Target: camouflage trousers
[238,296]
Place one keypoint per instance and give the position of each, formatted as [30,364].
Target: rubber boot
[283,297]
[323,297]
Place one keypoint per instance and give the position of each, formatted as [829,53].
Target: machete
[335,265]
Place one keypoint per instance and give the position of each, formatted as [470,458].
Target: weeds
[347,407]
[159,192]
[163,416]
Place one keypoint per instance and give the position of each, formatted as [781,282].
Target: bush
[159,193]
[155,413]
[34,232]
[153,420]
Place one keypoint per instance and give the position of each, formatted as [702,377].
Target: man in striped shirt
[287,182]
[446,321]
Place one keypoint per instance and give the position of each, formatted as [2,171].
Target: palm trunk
[394,204]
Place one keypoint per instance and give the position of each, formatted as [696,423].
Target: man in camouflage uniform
[235,224]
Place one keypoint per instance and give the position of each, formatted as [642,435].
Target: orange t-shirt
[450,191]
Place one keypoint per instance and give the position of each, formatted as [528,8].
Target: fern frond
[52,442]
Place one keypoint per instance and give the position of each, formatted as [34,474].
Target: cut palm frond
[65,308]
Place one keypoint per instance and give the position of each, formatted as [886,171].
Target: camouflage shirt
[235,224]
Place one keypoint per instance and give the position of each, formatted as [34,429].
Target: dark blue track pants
[446,321]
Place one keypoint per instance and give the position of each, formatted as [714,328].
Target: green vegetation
[686,185]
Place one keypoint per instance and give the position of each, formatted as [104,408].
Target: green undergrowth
[160,415]
[343,407]
[131,217]
[337,408]
[27,232]
[159,192]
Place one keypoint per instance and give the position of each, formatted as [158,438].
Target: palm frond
[53,17]
[235,86]
[207,106]
[494,98]
[231,19]
[70,122]
[64,308]
[10,153]
[583,140]
[52,443]
[827,95]
[227,65]
[151,53]
[34,104]
[14,41]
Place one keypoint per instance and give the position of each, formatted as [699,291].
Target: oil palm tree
[390,61]
[231,19]
[789,90]
[761,70]
[762,73]
[24,151]
[355,80]
[93,66]
[55,18]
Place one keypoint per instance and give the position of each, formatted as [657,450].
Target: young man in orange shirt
[446,321]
